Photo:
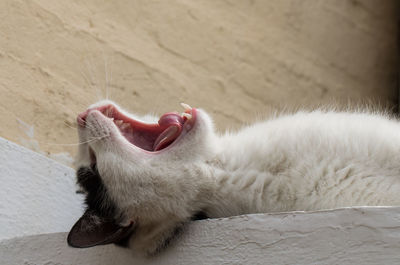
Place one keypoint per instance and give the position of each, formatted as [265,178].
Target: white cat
[145,180]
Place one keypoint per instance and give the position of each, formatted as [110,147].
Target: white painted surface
[38,196]
[344,236]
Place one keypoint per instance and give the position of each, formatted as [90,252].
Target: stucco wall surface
[239,60]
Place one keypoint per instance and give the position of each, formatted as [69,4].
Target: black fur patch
[199,216]
[124,242]
[97,199]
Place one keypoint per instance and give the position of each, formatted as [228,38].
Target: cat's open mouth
[150,137]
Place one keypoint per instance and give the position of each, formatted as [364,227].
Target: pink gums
[150,137]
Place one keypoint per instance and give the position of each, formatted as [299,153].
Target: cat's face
[134,173]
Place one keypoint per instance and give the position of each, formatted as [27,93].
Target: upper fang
[186,106]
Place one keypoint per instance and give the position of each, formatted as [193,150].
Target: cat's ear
[91,230]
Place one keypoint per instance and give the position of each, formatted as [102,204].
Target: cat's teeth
[186,106]
[108,112]
[124,126]
[118,122]
[112,118]
[187,115]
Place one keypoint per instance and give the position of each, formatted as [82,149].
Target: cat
[143,181]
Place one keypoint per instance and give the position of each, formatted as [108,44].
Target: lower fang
[187,115]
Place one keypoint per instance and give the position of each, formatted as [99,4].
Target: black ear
[91,230]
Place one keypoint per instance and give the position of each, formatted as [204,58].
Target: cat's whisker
[87,79]
[89,67]
[66,123]
[89,82]
[96,138]
[86,125]
[106,75]
[91,70]
[79,143]
[73,113]
[110,77]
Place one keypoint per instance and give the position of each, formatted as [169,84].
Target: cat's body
[311,161]
[306,161]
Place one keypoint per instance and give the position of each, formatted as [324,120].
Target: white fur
[306,161]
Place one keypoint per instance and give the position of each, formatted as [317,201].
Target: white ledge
[38,196]
[367,235]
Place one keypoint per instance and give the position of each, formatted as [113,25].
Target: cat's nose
[81,119]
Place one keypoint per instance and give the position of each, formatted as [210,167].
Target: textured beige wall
[237,59]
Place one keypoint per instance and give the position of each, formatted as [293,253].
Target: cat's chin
[107,120]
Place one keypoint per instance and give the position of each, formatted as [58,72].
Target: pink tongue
[173,121]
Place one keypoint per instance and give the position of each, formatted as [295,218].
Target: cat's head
[138,174]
